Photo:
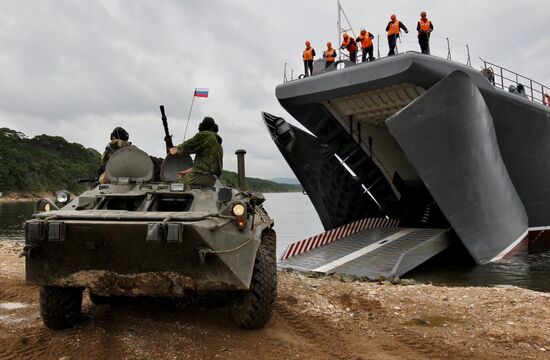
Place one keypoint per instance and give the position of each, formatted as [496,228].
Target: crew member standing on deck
[329,55]
[394,29]
[424,28]
[309,53]
[365,38]
[351,46]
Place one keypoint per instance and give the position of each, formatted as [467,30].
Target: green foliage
[229,178]
[43,163]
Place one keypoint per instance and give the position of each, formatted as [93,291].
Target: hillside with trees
[48,163]
[229,178]
[43,163]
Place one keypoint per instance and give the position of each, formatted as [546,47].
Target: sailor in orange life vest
[329,55]
[309,53]
[365,38]
[351,46]
[394,29]
[424,28]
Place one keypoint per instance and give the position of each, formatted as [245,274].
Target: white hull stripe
[367,249]
[338,233]
[539,228]
[511,247]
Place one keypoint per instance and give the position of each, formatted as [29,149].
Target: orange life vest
[308,54]
[330,55]
[366,41]
[425,26]
[349,45]
[394,28]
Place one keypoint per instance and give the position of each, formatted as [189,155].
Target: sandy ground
[315,318]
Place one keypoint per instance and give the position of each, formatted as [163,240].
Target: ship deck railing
[448,49]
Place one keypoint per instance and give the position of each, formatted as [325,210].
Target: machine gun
[167,136]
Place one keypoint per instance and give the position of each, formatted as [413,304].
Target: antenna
[342,30]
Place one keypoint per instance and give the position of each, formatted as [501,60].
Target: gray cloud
[79,68]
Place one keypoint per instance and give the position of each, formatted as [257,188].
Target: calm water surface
[12,217]
[296,219]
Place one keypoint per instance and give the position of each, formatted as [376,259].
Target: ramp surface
[373,252]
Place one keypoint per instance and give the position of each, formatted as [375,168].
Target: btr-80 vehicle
[137,237]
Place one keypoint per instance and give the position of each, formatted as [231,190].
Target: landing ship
[410,153]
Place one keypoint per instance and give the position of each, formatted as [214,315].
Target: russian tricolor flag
[201,92]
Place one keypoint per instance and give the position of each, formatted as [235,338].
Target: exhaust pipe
[241,183]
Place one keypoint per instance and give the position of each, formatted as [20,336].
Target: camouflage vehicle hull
[157,239]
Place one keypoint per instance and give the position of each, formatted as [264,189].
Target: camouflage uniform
[208,163]
[110,149]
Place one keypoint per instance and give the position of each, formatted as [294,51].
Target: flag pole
[189,116]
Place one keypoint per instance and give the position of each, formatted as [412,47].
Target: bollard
[241,183]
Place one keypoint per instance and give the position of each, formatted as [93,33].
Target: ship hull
[433,142]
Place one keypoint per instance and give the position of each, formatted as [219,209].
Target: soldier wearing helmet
[119,140]
[308,55]
[394,30]
[208,162]
[424,28]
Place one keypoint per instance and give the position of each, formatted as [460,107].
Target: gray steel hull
[492,142]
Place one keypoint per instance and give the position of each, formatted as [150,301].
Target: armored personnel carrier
[138,237]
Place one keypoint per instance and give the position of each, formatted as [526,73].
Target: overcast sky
[80,68]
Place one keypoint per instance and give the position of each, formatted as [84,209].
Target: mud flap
[449,138]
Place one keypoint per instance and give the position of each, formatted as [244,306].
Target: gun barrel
[167,136]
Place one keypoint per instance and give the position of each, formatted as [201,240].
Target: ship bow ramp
[427,142]
[454,149]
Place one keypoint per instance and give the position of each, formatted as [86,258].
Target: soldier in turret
[119,140]
[208,163]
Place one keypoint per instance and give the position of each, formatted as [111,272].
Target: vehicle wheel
[60,307]
[99,299]
[253,308]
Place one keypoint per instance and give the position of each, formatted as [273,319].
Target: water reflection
[526,269]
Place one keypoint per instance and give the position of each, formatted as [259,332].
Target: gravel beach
[330,317]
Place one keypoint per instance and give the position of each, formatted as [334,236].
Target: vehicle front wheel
[60,307]
[99,299]
[253,308]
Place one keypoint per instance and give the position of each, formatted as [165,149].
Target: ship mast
[341,29]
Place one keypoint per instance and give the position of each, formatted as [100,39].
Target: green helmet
[208,124]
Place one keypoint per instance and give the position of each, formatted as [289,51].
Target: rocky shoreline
[333,317]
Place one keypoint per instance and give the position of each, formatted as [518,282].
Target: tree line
[47,163]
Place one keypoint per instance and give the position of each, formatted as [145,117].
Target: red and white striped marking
[338,233]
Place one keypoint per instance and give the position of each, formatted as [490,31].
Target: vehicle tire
[99,299]
[60,307]
[253,309]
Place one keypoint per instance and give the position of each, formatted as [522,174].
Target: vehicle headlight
[62,197]
[238,209]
